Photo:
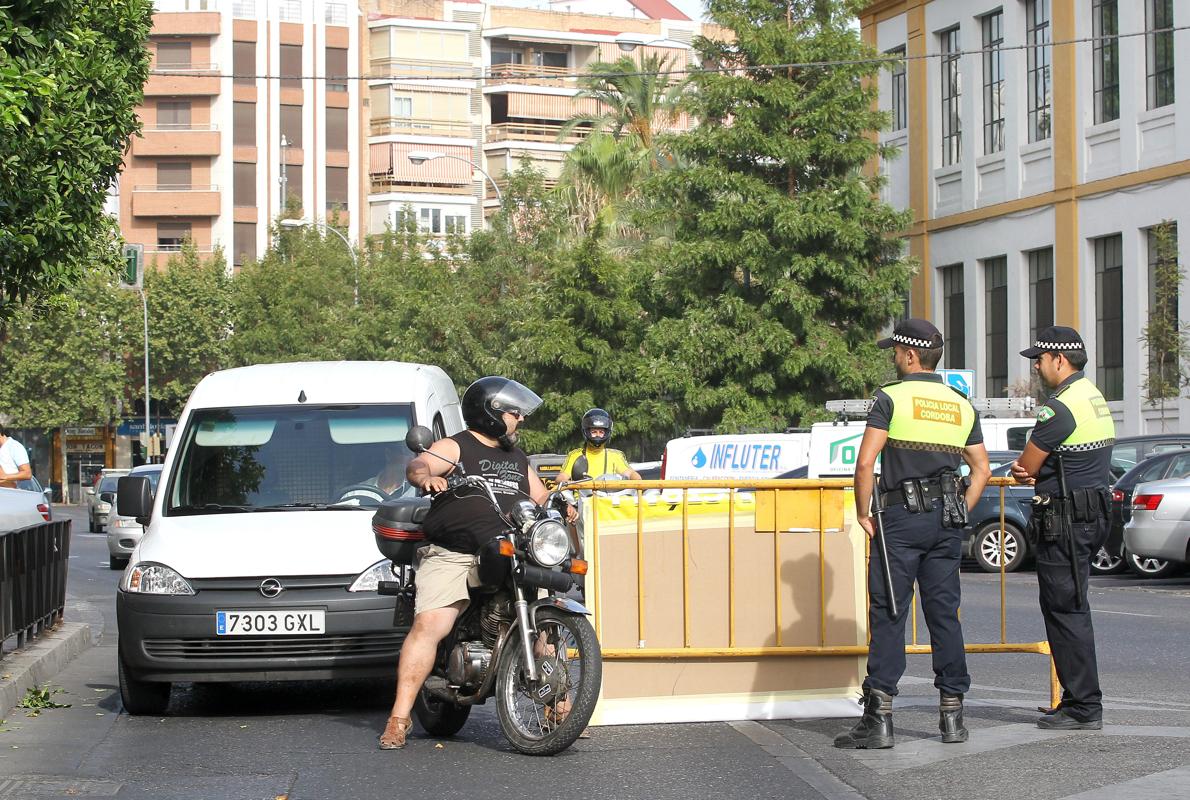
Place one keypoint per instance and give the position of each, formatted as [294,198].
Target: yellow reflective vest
[929,415]
[1093,423]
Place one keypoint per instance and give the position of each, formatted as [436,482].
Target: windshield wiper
[308,506]
[208,508]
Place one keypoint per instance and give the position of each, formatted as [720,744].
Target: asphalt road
[318,740]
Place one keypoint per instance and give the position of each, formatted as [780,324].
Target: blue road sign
[961,379]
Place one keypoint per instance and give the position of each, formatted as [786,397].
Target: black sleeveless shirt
[464,520]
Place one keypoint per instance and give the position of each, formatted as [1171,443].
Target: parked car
[124,532]
[1112,558]
[100,500]
[22,507]
[1158,528]
[1129,451]
[982,542]
[258,560]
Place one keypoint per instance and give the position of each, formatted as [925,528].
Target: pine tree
[777,264]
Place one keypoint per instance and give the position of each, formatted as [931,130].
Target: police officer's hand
[434,484]
[1020,475]
[868,525]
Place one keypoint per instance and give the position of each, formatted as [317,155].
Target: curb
[40,660]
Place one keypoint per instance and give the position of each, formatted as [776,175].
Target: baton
[878,513]
[1076,574]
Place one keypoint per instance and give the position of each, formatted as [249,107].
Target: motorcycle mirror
[419,439]
[579,470]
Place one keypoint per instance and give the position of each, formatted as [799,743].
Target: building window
[952,141]
[953,316]
[243,129]
[1105,21]
[336,69]
[1037,37]
[243,63]
[995,275]
[1159,52]
[456,223]
[173,174]
[244,184]
[173,114]
[171,235]
[173,55]
[402,106]
[993,83]
[291,66]
[430,220]
[336,129]
[1164,283]
[900,100]
[336,189]
[291,125]
[244,246]
[1041,291]
[1109,316]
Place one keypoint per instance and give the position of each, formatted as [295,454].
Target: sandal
[395,732]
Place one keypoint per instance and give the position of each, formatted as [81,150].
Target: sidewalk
[39,661]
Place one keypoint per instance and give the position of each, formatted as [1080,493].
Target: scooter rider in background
[601,459]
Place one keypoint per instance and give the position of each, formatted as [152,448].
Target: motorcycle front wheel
[545,717]
[438,717]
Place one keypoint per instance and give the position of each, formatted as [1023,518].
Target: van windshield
[284,458]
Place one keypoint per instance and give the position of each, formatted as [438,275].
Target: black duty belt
[930,489]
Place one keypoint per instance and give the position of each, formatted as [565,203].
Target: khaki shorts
[443,577]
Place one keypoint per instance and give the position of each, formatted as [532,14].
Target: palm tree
[636,99]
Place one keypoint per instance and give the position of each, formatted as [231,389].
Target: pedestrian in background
[1067,459]
[921,428]
[14,460]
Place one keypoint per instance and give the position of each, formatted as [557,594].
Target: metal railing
[33,564]
[182,127]
[382,68]
[194,67]
[678,493]
[531,75]
[180,187]
[336,13]
[529,132]
[382,126]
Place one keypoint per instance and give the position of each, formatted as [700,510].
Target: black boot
[874,731]
[950,719]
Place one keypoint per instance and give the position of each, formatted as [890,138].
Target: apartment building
[1041,141]
[242,108]
[461,92]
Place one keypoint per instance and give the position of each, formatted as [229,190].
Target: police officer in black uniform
[1067,459]
[924,429]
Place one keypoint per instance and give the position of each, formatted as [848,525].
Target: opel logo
[271,587]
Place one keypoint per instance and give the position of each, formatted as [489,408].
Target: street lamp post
[303,223]
[418,157]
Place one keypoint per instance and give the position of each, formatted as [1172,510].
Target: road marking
[1171,783]
[1125,613]
[797,761]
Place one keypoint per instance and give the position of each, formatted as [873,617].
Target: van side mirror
[419,439]
[134,498]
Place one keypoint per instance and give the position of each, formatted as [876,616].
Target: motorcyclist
[458,524]
[601,459]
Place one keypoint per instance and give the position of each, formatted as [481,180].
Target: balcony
[177,140]
[530,75]
[187,80]
[396,68]
[336,13]
[529,132]
[205,23]
[386,126]
[175,201]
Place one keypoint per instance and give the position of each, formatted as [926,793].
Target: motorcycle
[520,640]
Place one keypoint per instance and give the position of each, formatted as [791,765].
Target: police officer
[1067,459]
[921,428]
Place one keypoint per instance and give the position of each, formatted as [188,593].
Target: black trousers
[1068,616]
[921,550]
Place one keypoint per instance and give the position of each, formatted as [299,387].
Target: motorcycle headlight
[549,543]
[369,580]
[149,578]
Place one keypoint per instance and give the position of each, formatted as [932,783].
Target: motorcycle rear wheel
[438,717]
[566,645]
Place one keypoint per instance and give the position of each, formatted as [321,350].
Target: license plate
[305,622]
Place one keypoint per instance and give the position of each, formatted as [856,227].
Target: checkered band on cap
[909,341]
[1085,446]
[1058,345]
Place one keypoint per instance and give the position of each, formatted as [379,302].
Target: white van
[258,560]
[734,456]
[834,446]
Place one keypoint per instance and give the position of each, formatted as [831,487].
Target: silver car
[102,497]
[1160,524]
[123,533]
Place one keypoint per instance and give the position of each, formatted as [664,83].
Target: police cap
[913,332]
[1055,339]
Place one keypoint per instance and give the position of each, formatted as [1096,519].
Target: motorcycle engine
[468,663]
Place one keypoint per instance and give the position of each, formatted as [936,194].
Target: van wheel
[1152,567]
[141,697]
[987,547]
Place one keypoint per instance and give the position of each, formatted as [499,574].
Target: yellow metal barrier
[780,508]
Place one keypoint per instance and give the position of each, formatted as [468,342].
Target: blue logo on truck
[699,459]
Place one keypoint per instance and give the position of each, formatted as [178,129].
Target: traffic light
[133,273]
